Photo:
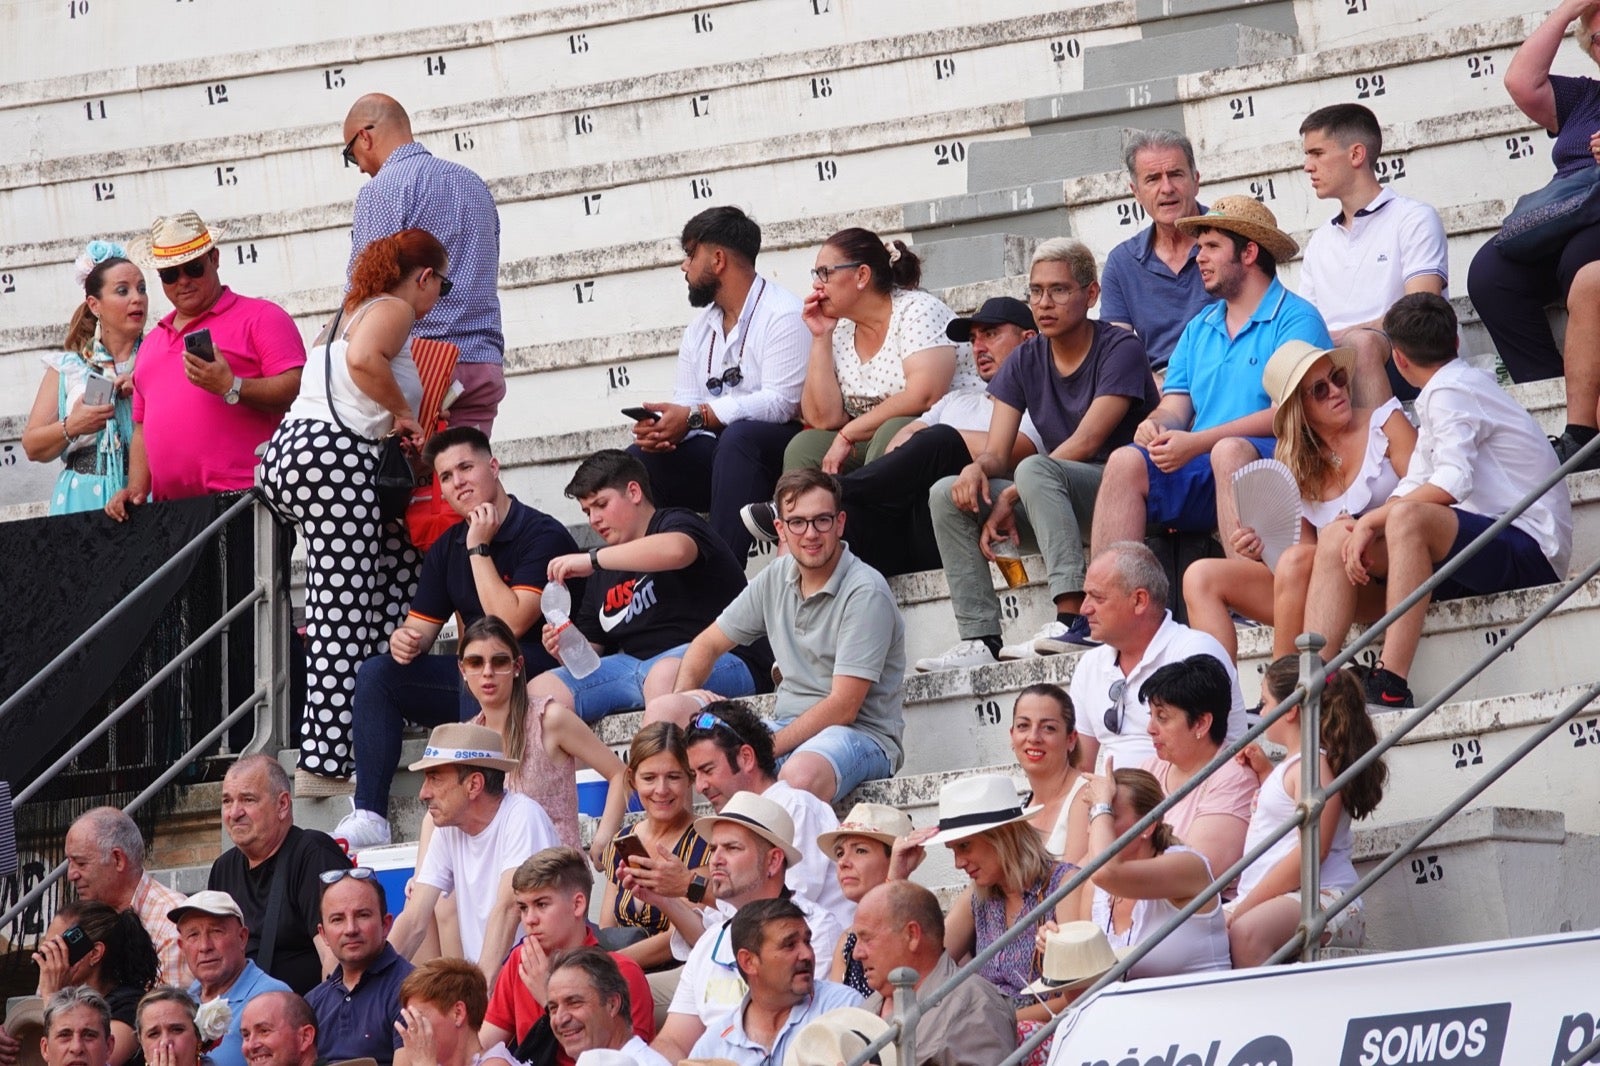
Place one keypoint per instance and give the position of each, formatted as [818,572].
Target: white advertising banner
[1528,1002]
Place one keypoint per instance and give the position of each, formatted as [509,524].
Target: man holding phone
[214,376]
[719,444]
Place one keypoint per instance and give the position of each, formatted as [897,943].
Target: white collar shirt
[1354,270]
[770,345]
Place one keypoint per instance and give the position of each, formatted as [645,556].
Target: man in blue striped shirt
[412,188]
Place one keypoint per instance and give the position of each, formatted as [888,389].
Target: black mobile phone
[78,944]
[198,344]
[639,414]
[630,847]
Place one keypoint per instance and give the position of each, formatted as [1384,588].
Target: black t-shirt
[309,852]
[645,614]
[124,1003]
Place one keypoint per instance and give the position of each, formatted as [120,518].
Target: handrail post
[904,979]
[273,727]
[1312,678]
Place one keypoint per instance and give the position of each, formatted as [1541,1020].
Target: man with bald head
[105,863]
[278,1029]
[410,187]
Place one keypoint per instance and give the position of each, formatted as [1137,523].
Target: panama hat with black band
[972,805]
[761,816]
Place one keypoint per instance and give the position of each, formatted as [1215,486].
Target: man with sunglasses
[719,444]
[213,378]
[359,1003]
[411,187]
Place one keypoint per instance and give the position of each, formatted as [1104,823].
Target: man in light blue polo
[1151,281]
[212,936]
[1170,475]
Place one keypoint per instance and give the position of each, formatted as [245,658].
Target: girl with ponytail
[102,342]
[121,965]
[359,386]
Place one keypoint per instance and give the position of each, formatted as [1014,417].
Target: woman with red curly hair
[319,470]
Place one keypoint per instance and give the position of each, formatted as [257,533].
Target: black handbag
[394,480]
[1539,226]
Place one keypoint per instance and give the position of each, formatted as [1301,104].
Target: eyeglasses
[497,664]
[445,285]
[360,873]
[1113,718]
[1059,294]
[822,273]
[1322,388]
[821,523]
[349,152]
[194,268]
[730,379]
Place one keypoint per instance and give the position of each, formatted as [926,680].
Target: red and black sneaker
[1387,689]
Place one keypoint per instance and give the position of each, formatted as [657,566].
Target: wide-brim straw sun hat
[464,744]
[174,240]
[839,1036]
[761,816]
[1289,366]
[1074,957]
[1250,219]
[971,805]
[875,821]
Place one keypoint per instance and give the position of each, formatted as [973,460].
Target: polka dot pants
[360,575]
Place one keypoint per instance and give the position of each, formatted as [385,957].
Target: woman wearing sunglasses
[1345,459]
[879,353]
[318,471]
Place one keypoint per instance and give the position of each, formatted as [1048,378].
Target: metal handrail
[1313,796]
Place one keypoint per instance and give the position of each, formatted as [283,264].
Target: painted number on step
[1495,637]
[1427,870]
[700,104]
[591,203]
[1355,7]
[1467,753]
[1139,95]
[584,290]
[77,9]
[821,88]
[577,43]
[827,170]
[1480,66]
[1391,169]
[944,68]
[333,78]
[1370,85]
[1130,214]
[8,284]
[464,141]
[1061,51]
[246,253]
[93,109]
[216,94]
[700,188]
[104,190]
[1242,107]
[1585,734]
[702,22]
[758,549]
[988,713]
[1010,608]
[582,124]
[434,65]
[1519,147]
[616,378]
[226,176]
[1264,190]
[950,152]
[820,7]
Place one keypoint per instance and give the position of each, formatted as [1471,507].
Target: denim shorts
[854,756]
[1185,499]
[618,685]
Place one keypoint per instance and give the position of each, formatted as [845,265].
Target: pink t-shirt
[195,441]
[1231,790]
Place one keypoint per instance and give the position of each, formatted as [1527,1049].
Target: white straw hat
[971,805]
[1074,957]
[761,816]
[875,821]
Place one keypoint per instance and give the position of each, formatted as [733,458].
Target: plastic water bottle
[577,654]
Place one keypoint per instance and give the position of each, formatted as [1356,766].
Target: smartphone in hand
[198,344]
[629,847]
[98,390]
[78,944]
[642,414]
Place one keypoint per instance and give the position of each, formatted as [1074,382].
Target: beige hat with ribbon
[761,816]
[1074,957]
[464,744]
[839,1036]
[174,240]
[875,821]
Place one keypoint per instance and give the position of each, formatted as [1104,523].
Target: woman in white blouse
[879,353]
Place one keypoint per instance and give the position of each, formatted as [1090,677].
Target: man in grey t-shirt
[838,641]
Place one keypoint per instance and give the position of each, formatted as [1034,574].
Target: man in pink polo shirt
[198,423]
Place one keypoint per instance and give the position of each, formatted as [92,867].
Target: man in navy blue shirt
[357,1006]
[495,563]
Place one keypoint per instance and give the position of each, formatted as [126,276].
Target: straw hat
[1288,365]
[1250,219]
[464,744]
[839,1036]
[217,904]
[761,816]
[25,1023]
[972,805]
[875,821]
[1074,957]
[174,240]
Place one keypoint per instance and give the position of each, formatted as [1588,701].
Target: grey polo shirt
[851,627]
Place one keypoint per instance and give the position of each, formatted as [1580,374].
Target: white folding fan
[1269,503]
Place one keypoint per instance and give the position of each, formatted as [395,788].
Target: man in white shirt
[719,444]
[1125,600]
[1379,247]
[481,835]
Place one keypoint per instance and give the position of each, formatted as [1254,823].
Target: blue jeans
[618,684]
[854,756]
[426,691]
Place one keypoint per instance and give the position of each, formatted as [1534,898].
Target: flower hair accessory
[213,1020]
[94,254]
[894,253]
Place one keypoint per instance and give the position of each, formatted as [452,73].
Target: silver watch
[231,397]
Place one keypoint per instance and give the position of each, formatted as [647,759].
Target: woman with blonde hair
[166,1021]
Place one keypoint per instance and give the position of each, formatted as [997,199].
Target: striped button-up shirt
[151,902]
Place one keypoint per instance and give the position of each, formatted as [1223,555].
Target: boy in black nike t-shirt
[661,578]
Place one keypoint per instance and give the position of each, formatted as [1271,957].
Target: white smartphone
[99,390]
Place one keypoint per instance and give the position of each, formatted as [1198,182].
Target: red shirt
[511,1005]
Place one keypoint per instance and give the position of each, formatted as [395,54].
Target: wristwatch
[697,889]
[482,549]
[697,419]
[231,397]
[594,558]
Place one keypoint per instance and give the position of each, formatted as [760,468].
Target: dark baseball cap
[996,311]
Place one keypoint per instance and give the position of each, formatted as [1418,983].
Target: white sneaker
[967,653]
[361,829]
[1028,649]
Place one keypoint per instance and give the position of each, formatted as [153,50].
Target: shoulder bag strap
[327,370]
[280,888]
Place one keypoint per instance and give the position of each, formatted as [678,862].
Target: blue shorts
[1186,499]
[618,685]
[854,755]
[1512,560]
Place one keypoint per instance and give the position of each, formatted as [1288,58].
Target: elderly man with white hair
[105,863]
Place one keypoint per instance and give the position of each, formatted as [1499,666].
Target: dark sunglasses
[445,285]
[730,379]
[500,663]
[1113,718]
[360,873]
[349,152]
[194,268]
[1322,388]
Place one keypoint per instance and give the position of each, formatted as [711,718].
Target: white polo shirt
[768,343]
[1097,671]
[1355,273]
[711,985]
[970,410]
